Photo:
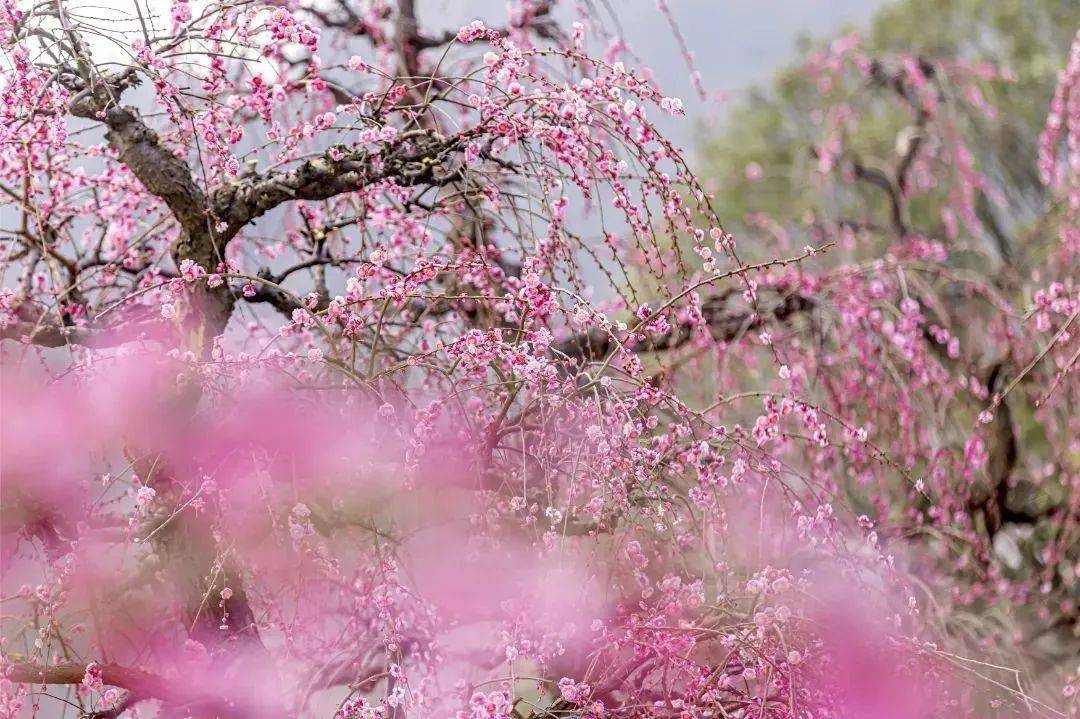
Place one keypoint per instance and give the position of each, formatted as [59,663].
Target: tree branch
[416,158]
[38,332]
[136,681]
[725,320]
[138,147]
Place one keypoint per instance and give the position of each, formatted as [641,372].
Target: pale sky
[736,43]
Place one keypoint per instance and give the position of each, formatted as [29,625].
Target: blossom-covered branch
[358,366]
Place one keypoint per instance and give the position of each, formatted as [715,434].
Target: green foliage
[776,127]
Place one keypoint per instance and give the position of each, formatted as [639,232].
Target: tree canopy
[356,366]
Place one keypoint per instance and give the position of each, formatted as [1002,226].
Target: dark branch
[725,319]
[138,147]
[37,331]
[416,158]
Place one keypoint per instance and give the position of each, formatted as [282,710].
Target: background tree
[908,144]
